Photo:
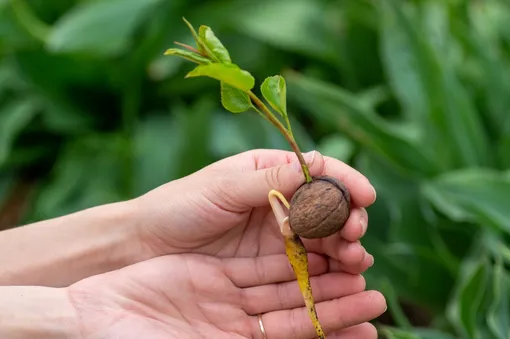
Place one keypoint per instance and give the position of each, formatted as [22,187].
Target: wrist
[37,313]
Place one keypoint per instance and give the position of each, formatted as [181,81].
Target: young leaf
[199,42]
[214,45]
[274,91]
[197,58]
[234,100]
[228,73]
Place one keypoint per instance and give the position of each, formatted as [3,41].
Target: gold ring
[262,327]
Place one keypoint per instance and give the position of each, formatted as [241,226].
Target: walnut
[320,208]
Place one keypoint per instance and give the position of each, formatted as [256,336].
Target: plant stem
[286,133]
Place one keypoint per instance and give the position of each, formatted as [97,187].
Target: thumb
[250,189]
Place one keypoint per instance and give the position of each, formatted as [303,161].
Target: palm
[151,301]
[194,296]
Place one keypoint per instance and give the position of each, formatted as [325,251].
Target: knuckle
[273,177]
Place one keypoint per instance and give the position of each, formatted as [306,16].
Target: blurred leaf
[394,306]
[233,99]
[232,134]
[157,143]
[29,21]
[12,35]
[336,107]
[300,29]
[218,52]
[374,96]
[482,39]
[336,146]
[14,117]
[101,28]
[464,308]
[87,173]
[416,333]
[452,124]
[474,195]
[228,73]
[499,313]
[407,236]
[402,67]
[274,91]
[195,127]
[6,182]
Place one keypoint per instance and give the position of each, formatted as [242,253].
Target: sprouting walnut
[320,208]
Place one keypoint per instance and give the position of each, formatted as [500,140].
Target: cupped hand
[223,209]
[192,296]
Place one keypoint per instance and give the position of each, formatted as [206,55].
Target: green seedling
[321,205]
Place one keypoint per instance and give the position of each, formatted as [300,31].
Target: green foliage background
[415,94]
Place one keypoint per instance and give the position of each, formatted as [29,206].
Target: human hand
[196,296]
[223,209]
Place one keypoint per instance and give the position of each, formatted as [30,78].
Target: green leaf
[499,313]
[233,99]
[274,91]
[465,306]
[155,165]
[71,186]
[99,27]
[336,146]
[415,333]
[195,132]
[336,108]
[424,79]
[198,40]
[218,52]
[229,73]
[301,29]
[472,195]
[191,56]
[13,118]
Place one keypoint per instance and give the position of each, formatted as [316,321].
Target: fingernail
[371,260]
[375,194]
[309,157]
[364,224]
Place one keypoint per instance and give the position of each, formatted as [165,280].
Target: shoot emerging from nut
[321,206]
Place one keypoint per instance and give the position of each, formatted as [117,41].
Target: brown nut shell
[320,208]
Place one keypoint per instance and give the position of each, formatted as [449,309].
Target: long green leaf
[415,333]
[228,73]
[499,312]
[464,309]
[453,128]
[99,27]
[473,195]
[13,118]
[340,109]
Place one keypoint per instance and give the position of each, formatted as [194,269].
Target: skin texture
[223,209]
[152,300]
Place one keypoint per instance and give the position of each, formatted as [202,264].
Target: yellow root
[296,252]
